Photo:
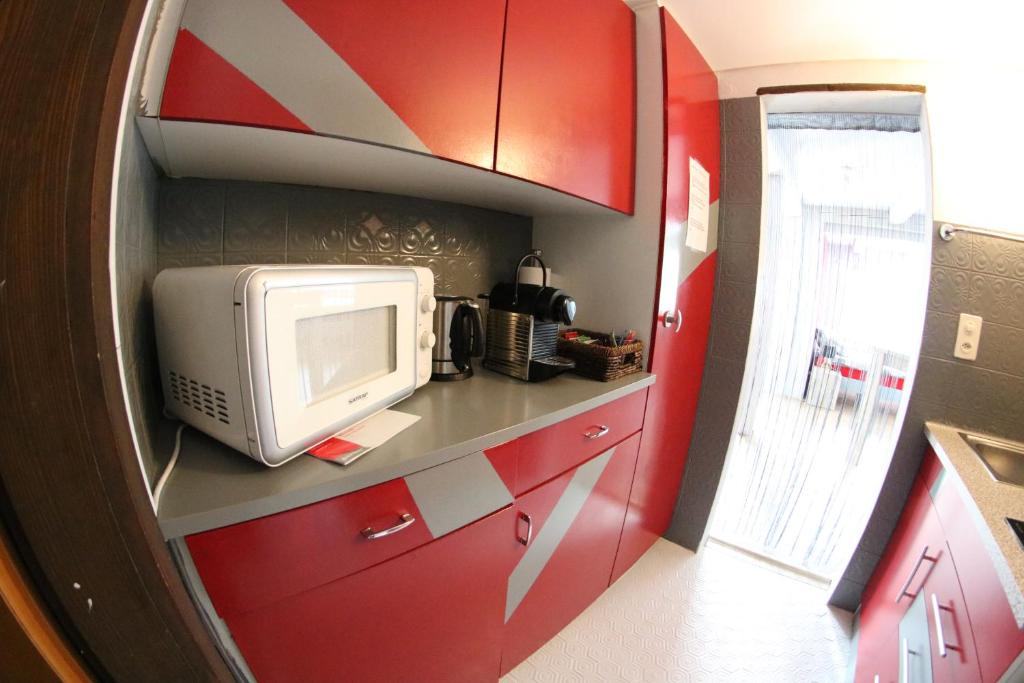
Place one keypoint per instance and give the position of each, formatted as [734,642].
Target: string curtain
[839,310]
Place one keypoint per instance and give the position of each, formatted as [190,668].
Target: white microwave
[272,360]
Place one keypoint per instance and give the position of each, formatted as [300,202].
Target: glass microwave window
[342,350]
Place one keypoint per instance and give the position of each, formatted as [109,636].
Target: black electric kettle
[459,331]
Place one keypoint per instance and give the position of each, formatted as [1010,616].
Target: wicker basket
[600,360]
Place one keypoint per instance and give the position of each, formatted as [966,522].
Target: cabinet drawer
[548,452]
[255,563]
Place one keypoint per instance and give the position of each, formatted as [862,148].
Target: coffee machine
[459,332]
[522,327]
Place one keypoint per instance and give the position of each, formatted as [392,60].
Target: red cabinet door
[952,642]
[409,74]
[568,92]
[917,544]
[432,614]
[686,283]
[576,521]
[997,638]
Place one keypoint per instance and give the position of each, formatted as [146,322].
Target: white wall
[609,264]
[977,146]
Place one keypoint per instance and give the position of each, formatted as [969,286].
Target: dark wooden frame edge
[71,494]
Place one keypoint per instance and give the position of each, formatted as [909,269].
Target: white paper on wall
[699,208]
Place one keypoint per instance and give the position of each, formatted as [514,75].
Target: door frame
[825,97]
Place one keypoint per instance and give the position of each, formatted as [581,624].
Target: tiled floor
[719,616]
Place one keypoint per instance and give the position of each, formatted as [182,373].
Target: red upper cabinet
[567,113]
[415,75]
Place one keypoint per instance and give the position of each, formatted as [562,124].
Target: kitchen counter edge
[207,516]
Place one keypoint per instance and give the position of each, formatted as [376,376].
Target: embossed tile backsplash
[205,222]
[982,276]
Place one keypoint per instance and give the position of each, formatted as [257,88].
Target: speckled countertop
[213,486]
[993,501]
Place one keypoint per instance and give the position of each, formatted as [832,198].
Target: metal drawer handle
[910,579]
[529,529]
[905,678]
[596,432]
[371,535]
[940,637]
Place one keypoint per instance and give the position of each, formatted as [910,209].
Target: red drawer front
[997,638]
[433,614]
[248,565]
[549,452]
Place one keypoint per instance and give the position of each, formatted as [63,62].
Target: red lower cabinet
[952,641]
[432,614]
[307,595]
[997,638]
[937,556]
[576,522]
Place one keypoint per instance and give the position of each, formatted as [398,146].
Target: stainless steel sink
[1003,459]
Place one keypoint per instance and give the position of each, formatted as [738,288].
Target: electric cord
[159,488]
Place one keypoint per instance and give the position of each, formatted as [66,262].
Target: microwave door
[335,354]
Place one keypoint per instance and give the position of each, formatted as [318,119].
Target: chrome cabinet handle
[940,637]
[905,669]
[596,432]
[529,529]
[669,319]
[371,535]
[910,579]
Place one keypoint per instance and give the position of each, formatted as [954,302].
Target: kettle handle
[466,335]
[535,255]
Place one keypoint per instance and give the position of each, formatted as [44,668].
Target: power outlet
[968,336]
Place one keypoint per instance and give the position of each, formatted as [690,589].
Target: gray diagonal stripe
[550,536]
[452,495]
[689,259]
[274,48]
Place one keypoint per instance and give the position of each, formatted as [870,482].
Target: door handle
[596,432]
[371,535]
[669,319]
[940,637]
[529,529]
[910,579]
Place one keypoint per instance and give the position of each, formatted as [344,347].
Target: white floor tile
[717,616]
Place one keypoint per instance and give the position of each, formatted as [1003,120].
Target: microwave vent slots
[200,397]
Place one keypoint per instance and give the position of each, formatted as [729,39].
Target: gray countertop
[993,502]
[213,486]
